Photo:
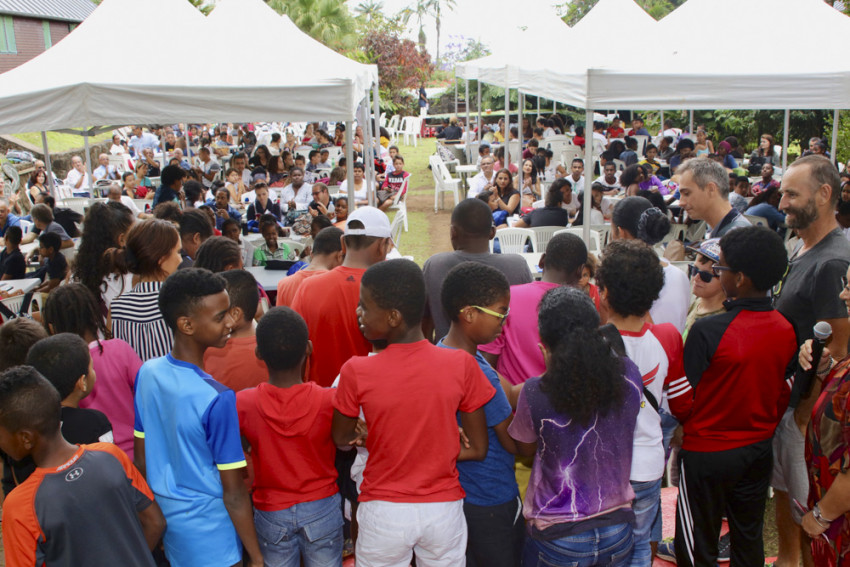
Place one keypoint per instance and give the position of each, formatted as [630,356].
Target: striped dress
[136,320]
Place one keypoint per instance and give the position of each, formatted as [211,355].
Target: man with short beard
[808,294]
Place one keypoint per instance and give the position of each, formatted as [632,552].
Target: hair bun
[653,226]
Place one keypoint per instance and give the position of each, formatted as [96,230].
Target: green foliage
[577,9]
[842,149]
[401,66]
[423,8]
[327,21]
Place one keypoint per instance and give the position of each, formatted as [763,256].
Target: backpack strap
[612,335]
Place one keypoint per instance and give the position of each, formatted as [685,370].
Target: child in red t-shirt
[235,364]
[410,499]
[287,424]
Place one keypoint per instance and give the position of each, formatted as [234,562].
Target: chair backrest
[642,141]
[397,226]
[696,232]
[297,247]
[119,162]
[568,154]
[13,304]
[77,204]
[392,125]
[595,244]
[621,165]
[25,225]
[512,240]
[542,236]
[757,221]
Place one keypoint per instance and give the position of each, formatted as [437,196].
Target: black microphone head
[822,330]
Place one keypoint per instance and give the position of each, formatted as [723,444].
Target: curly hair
[472,283]
[216,253]
[632,276]
[583,378]
[757,252]
[397,284]
[641,219]
[104,224]
[282,338]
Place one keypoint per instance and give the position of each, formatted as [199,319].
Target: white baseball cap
[375,222]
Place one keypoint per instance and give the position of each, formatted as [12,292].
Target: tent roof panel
[66,10]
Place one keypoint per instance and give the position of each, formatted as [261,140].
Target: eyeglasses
[703,275]
[715,268]
[496,314]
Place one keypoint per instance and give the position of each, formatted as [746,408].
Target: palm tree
[435,8]
[327,21]
[370,9]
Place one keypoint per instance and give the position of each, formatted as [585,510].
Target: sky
[478,19]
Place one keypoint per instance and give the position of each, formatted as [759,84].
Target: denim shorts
[310,530]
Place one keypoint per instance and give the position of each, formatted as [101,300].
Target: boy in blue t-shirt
[187,431]
[476,299]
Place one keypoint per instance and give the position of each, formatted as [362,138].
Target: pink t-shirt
[519,355]
[116,368]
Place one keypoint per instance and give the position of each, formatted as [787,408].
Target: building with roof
[29,27]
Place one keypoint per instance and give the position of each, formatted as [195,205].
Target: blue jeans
[610,546]
[668,428]
[312,530]
[646,504]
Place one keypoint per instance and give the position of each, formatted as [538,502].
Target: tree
[401,65]
[370,10]
[327,21]
[577,9]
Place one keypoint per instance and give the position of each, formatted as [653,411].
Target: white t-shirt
[360,195]
[674,299]
[128,202]
[477,183]
[302,198]
[74,176]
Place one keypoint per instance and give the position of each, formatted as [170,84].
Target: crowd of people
[389,410]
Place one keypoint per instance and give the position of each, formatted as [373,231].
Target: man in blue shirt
[186,431]
[223,210]
[7,219]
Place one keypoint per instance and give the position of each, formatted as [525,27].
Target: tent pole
[376,106]
[455,94]
[521,102]
[47,165]
[834,134]
[480,130]
[467,139]
[662,122]
[786,126]
[368,151]
[164,154]
[538,107]
[88,162]
[507,160]
[349,163]
[587,197]
[691,122]
[554,107]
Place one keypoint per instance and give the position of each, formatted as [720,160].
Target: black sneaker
[666,551]
[724,546]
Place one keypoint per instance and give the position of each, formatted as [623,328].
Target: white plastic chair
[512,240]
[443,182]
[25,225]
[642,141]
[542,236]
[411,126]
[297,247]
[595,244]
[757,221]
[392,127]
[77,204]
[400,202]
[399,222]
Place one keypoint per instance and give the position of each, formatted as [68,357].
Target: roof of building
[65,10]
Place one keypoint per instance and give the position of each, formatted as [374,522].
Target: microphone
[822,331]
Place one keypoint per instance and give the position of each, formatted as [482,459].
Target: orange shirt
[236,365]
[287,287]
[328,303]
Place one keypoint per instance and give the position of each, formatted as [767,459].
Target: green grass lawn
[58,142]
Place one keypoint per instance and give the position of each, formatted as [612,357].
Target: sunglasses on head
[703,275]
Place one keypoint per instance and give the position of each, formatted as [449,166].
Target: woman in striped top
[152,253]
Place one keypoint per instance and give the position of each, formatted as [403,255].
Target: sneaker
[724,546]
[666,551]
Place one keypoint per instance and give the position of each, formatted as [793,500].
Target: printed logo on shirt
[349,279]
[74,474]
[649,377]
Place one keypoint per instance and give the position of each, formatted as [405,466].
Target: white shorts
[390,533]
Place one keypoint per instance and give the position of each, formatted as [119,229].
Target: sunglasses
[717,268]
[703,275]
[496,314]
